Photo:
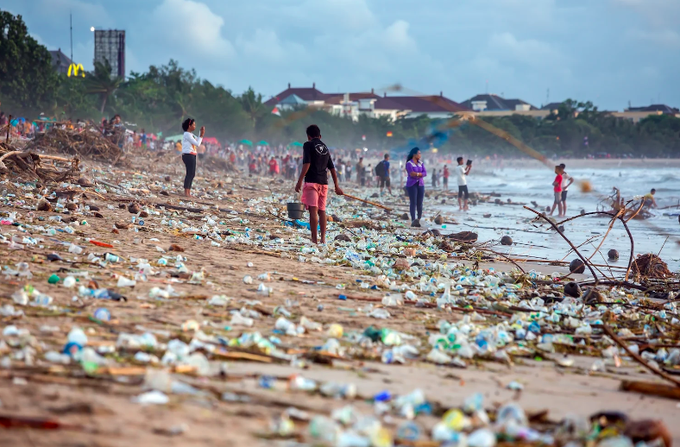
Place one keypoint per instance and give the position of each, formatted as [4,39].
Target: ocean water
[527,185]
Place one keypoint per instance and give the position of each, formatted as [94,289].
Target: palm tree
[101,83]
[252,105]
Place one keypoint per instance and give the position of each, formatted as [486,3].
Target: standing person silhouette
[415,185]
[189,146]
[316,163]
[462,171]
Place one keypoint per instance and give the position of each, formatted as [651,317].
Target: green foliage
[101,83]
[26,76]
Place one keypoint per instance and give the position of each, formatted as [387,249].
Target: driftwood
[88,142]
[556,228]
[368,202]
[178,208]
[638,358]
[651,389]
[31,163]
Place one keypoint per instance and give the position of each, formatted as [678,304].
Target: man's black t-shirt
[317,155]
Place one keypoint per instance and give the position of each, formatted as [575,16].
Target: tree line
[160,98]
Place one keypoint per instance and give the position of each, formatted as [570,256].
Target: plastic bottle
[286,326]
[324,429]
[381,314]
[124,282]
[57,357]
[331,346]
[77,336]
[390,337]
[152,398]
[239,320]
[264,290]
[102,314]
[482,437]
[42,300]
[338,390]
[69,282]
[20,297]
[297,382]
[73,248]
[310,325]
[408,431]
[392,300]
[511,414]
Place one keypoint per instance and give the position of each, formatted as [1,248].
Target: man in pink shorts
[316,162]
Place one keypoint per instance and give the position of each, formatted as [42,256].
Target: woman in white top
[189,145]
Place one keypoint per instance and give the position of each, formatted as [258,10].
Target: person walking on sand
[445,177]
[415,185]
[382,170]
[557,189]
[189,145]
[462,171]
[361,172]
[316,162]
[273,166]
[567,180]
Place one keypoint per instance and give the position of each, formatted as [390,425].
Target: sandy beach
[240,390]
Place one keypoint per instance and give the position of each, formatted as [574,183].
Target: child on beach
[557,189]
[316,162]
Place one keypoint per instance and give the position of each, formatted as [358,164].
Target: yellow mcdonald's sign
[73,70]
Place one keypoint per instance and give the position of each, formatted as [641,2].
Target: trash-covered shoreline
[133,314]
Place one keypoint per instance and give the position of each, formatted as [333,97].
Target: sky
[607,51]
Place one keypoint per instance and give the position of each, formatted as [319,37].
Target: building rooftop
[496,103]
[552,106]
[663,108]
[304,93]
[426,104]
[60,62]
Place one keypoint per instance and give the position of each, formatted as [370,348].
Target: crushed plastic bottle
[124,282]
[238,320]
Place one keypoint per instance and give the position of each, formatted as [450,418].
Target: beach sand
[102,403]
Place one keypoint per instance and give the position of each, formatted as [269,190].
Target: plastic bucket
[295,210]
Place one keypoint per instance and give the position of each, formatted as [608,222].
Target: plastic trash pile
[134,290]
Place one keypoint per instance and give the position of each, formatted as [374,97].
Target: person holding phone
[190,145]
[461,176]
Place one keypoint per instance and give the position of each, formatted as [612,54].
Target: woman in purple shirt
[415,185]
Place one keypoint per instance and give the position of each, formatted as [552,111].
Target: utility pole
[71,19]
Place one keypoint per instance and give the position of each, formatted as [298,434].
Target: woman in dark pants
[415,184]
[189,145]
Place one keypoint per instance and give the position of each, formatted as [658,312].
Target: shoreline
[581,163]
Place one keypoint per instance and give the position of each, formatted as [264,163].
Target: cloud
[396,38]
[190,29]
[266,46]
[608,50]
[507,47]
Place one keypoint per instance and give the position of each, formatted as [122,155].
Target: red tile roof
[427,104]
